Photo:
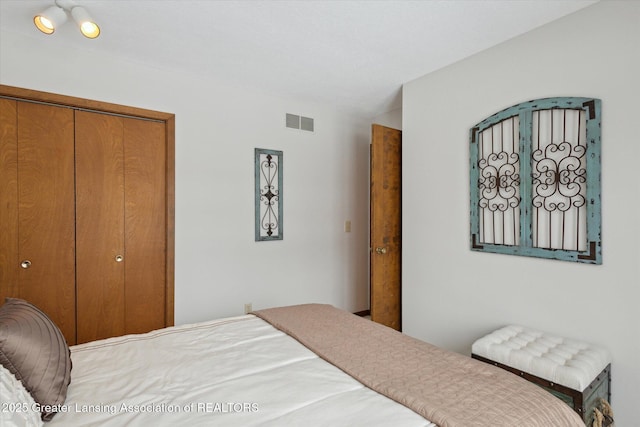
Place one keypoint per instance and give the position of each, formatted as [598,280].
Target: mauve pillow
[34,350]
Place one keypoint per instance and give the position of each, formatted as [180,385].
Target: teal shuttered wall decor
[535,180]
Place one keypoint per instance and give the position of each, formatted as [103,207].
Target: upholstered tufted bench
[576,372]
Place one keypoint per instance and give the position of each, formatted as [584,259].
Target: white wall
[390,119]
[219,267]
[451,296]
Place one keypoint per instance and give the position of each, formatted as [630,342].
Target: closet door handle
[25,264]
[119,258]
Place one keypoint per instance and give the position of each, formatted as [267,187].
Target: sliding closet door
[145,163]
[100,225]
[86,212]
[121,225]
[37,258]
[8,199]
[46,223]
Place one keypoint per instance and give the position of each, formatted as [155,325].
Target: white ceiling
[353,54]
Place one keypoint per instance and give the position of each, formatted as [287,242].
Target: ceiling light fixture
[53,17]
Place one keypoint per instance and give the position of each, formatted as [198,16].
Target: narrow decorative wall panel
[268,195]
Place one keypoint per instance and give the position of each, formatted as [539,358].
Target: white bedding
[231,372]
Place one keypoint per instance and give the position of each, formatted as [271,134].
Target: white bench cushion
[559,360]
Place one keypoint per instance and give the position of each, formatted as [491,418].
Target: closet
[86,212]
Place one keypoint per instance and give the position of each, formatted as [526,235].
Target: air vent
[295,121]
[306,123]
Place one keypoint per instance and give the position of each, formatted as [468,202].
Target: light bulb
[50,19]
[90,29]
[44,24]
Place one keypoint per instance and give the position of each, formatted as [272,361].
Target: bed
[306,365]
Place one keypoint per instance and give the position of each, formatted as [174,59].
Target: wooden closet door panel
[145,225]
[46,209]
[99,226]
[9,260]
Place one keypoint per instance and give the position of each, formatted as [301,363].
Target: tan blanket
[446,388]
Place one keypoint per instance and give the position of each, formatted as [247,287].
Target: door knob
[25,264]
[119,258]
[381,251]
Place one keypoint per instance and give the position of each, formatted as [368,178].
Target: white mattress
[231,372]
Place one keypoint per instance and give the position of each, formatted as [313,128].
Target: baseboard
[363,313]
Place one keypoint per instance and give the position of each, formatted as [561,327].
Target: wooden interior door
[42,271]
[100,225]
[145,164]
[386,226]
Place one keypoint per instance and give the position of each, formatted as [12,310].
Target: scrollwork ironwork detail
[559,177]
[269,195]
[498,182]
